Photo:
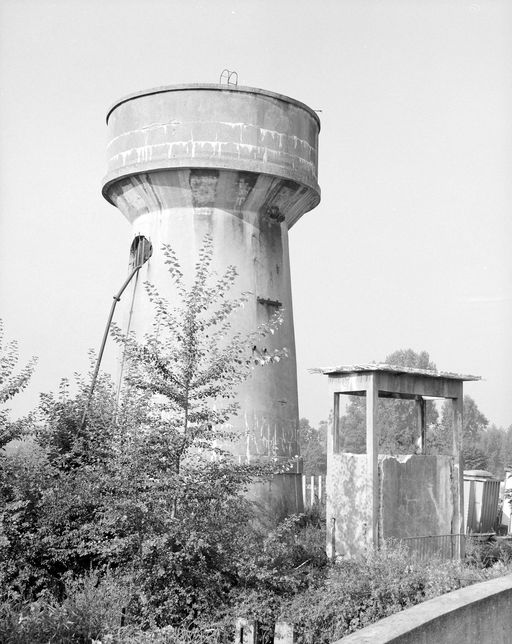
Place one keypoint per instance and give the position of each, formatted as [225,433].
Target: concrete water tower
[240,164]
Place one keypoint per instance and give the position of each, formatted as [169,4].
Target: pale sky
[410,244]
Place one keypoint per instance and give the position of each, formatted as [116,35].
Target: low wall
[473,615]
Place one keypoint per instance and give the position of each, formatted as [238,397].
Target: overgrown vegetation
[144,496]
[135,526]
[326,602]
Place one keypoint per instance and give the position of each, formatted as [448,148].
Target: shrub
[91,609]
[484,554]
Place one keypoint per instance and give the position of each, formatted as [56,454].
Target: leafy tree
[397,418]
[176,485]
[313,447]
[352,426]
[190,366]
[11,383]
[474,422]
[493,446]
[474,425]
[507,448]
[146,489]
[51,496]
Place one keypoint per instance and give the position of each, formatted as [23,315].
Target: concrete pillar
[459,527]
[239,164]
[285,633]
[246,631]
[372,461]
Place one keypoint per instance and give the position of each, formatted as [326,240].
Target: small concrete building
[372,497]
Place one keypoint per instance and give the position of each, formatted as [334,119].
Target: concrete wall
[474,615]
[418,496]
[347,503]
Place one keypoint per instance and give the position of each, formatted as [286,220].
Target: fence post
[320,489]
[304,489]
[246,631]
[285,633]
[312,491]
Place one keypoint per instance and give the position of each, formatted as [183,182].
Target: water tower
[240,164]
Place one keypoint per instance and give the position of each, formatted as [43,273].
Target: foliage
[313,447]
[51,496]
[189,367]
[92,607]
[362,590]
[354,593]
[483,447]
[134,526]
[493,444]
[397,418]
[146,488]
[488,552]
[474,425]
[11,383]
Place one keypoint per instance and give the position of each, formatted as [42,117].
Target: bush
[484,554]
[91,609]
[359,591]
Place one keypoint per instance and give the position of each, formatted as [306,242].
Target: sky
[409,246]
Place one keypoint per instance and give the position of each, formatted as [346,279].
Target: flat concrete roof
[391,368]
[215,87]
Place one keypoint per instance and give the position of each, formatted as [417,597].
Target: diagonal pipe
[117,298]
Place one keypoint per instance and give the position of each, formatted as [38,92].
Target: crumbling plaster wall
[418,496]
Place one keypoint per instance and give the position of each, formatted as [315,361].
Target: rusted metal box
[481,495]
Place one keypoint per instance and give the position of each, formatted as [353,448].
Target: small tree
[176,486]
[474,425]
[11,383]
[313,447]
[397,418]
[190,366]
[146,489]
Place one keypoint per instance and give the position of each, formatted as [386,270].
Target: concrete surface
[478,614]
[417,497]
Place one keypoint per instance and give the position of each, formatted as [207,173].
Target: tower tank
[239,164]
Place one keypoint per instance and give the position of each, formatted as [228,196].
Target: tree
[190,366]
[493,446]
[474,425]
[397,418]
[313,447]
[147,489]
[51,497]
[176,485]
[11,383]
[507,448]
